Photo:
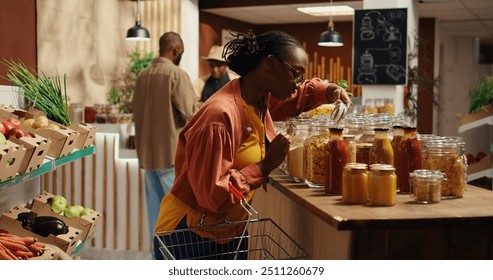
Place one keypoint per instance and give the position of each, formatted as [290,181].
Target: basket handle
[244,203]
[236,193]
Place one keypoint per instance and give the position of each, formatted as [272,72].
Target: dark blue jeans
[192,246]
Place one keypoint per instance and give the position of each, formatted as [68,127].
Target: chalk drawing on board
[367,67]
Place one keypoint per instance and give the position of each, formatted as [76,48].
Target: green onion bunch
[481,94]
[45,93]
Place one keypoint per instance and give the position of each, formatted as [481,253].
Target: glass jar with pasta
[315,153]
[444,156]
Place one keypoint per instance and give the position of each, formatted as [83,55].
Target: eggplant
[46,225]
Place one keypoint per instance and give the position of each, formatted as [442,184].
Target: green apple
[59,197]
[59,205]
[79,208]
[72,211]
[3,140]
[86,211]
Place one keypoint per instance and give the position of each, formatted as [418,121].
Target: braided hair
[246,51]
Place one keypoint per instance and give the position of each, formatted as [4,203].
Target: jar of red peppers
[397,135]
[409,157]
[336,157]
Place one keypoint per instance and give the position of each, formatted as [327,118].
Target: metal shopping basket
[252,239]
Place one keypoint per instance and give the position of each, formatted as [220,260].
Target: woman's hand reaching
[336,94]
[275,155]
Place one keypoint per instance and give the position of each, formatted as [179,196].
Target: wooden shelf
[48,165]
[484,121]
[483,173]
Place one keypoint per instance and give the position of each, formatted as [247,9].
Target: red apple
[19,133]
[8,125]
[15,122]
[2,129]
[11,132]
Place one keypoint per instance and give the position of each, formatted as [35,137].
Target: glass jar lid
[442,145]
[382,167]
[356,166]
[427,174]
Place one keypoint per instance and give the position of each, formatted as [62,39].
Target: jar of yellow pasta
[445,156]
[315,153]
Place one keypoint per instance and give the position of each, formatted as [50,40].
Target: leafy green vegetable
[344,84]
[481,94]
[45,93]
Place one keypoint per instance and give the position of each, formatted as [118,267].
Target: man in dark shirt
[219,75]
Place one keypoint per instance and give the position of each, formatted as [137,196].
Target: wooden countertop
[475,208]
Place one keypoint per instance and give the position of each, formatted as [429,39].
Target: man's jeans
[157,184]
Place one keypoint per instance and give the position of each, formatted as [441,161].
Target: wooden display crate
[8,111]
[11,156]
[87,135]
[49,253]
[87,223]
[63,139]
[466,118]
[36,150]
[67,242]
[483,164]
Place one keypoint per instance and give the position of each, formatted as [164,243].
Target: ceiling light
[138,32]
[319,11]
[330,37]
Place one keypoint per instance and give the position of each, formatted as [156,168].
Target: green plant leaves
[45,93]
[122,94]
[481,94]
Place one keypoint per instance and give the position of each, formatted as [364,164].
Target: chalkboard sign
[380,47]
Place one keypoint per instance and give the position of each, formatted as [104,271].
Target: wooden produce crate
[483,164]
[63,139]
[66,242]
[9,111]
[466,118]
[48,254]
[87,223]
[36,150]
[87,135]
[11,156]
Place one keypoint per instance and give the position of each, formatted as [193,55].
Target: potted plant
[481,94]
[121,94]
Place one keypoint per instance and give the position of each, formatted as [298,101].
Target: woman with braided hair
[231,140]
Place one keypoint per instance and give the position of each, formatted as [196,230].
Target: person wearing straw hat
[219,74]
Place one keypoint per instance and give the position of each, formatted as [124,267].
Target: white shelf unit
[484,121]
[477,123]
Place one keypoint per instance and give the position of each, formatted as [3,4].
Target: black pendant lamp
[330,37]
[138,32]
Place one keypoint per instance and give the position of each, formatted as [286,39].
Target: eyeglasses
[298,76]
